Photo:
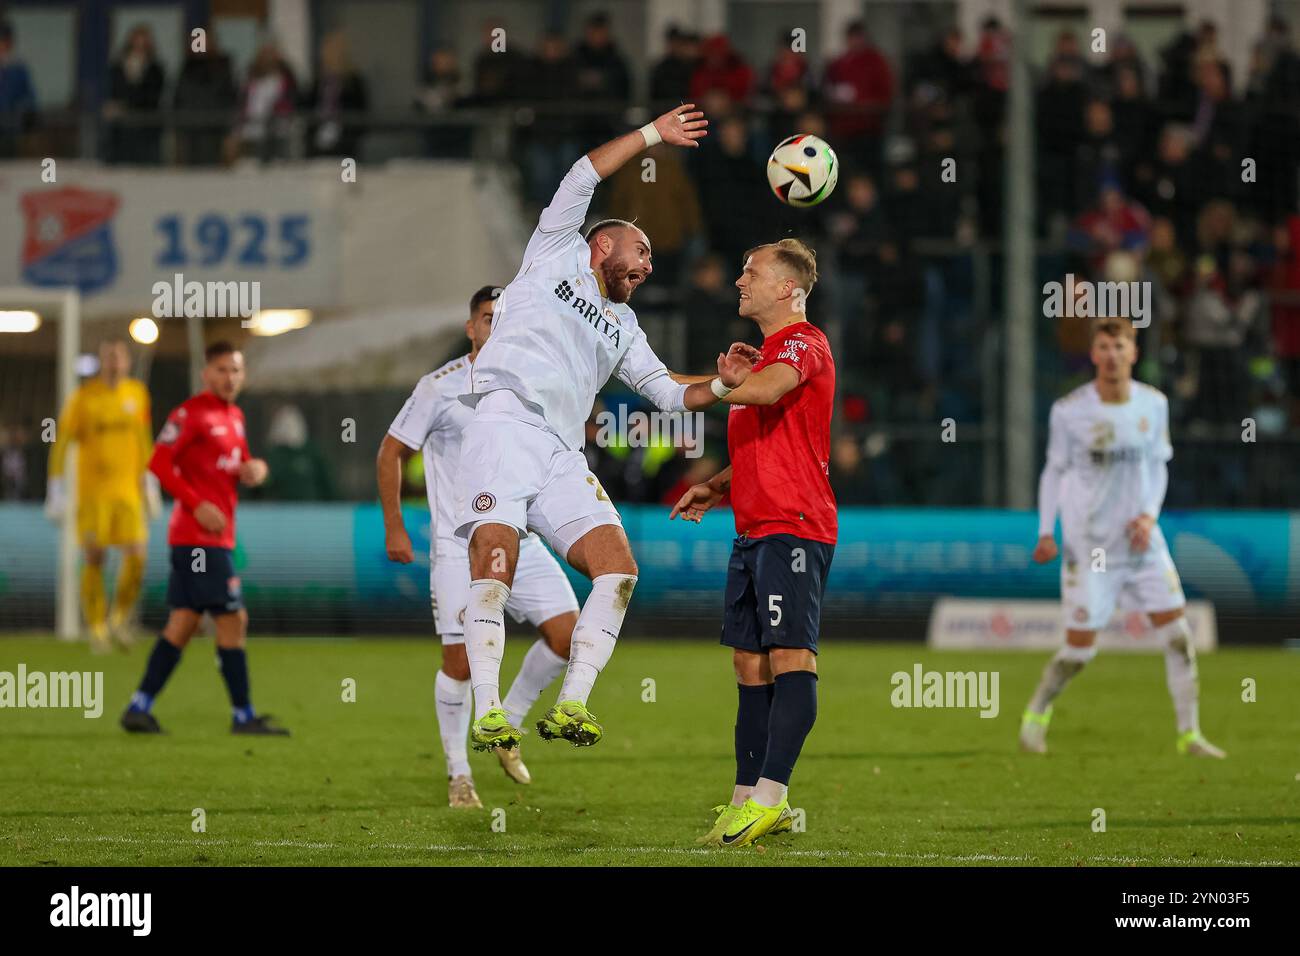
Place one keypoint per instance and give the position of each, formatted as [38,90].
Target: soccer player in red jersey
[779,439]
[201,457]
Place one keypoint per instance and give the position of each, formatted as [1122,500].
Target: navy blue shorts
[213,589]
[774,592]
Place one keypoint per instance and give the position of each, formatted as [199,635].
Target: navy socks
[751,731]
[793,713]
[234,669]
[162,661]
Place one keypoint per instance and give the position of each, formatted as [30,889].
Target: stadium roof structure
[391,348]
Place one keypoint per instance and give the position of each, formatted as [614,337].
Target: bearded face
[627,265]
[620,278]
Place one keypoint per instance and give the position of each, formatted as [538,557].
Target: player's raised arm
[561,221]
[642,371]
[1049,487]
[766,386]
[682,126]
[392,457]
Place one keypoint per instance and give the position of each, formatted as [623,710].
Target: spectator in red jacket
[860,84]
[789,67]
[722,68]
[1113,224]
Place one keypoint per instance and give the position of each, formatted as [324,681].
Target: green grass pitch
[363,783]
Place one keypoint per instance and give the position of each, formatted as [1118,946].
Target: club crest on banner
[69,238]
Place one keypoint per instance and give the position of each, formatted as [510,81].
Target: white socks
[541,666]
[451,700]
[740,795]
[485,641]
[1069,660]
[596,633]
[1180,672]
[769,793]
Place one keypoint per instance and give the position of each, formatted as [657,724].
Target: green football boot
[784,823]
[714,837]
[494,730]
[752,821]
[571,720]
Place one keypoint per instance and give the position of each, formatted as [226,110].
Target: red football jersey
[197,458]
[780,454]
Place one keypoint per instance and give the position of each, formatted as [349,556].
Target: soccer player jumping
[109,420]
[1107,472]
[433,419]
[779,437]
[562,328]
[202,457]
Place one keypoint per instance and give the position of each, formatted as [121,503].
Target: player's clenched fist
[253,472]
[682,126]
[735,365]
[397,544]
[1045,550]
[210,517]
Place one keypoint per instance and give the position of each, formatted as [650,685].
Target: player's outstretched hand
[697,500]
[1139,532]
[682,126]
[397,545]
[210,517]
[253,472]
[735,365]
[1045,550]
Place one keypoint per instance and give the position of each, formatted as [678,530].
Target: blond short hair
[1116,328]
[795,256]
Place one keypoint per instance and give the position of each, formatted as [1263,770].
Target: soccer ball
[803,170]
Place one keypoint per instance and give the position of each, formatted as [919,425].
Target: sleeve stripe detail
[650,377]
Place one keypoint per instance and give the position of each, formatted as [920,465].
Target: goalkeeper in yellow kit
[109,419]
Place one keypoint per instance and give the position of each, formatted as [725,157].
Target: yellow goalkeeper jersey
[114,434]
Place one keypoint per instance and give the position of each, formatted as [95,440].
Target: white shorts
[541,590]
[1146,582]
[522,475]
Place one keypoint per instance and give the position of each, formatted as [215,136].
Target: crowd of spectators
[1172,172]
[220,118]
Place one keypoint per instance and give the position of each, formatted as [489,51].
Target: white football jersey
[432,419]
[555,338]
[1106,451]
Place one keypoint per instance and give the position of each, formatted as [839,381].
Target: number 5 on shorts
[774,605]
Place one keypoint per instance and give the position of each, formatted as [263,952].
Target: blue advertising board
[322,568]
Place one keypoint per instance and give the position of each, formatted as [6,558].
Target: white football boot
[461,793]
[514,766]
